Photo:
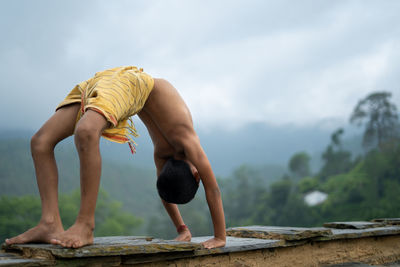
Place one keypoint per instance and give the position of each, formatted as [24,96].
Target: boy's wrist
[221,236]
[181,228]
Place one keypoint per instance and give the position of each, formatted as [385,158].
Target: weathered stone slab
[359,233]
[234,244]
[11,259]
[104,246]
[353,225]
[122,250]
[357,264]
[278,232]
[388,221]
[24,262]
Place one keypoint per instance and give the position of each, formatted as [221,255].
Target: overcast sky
[301,63]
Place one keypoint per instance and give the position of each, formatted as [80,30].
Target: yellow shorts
[117,94]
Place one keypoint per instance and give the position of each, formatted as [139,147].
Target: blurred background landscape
[296,105]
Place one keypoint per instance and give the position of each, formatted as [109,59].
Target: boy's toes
[77,244]
[55,242]
[69,243]
[14,240]
[64,244]
[58,242]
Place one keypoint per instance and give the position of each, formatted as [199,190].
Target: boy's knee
[40,143]
[85,133]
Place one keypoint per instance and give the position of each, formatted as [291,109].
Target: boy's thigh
[61,124]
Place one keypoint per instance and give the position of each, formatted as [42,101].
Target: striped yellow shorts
[117,94]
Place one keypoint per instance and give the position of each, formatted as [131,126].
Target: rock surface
[359,233]
[389,221]
[11,259]
[234,244]
[277,232]
[246,246]
[105,246]
[353,225]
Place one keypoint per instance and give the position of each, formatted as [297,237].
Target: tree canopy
[299,164]
[379,116]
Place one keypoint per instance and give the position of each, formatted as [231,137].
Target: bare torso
[167,119]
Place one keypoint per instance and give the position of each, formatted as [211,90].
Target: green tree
[336,137]
[307,184]
[379,116]
[268,210]
[18,214]
[283,205]
[369,190]
[279,193]
[299,165]
[336,159]
[241,194]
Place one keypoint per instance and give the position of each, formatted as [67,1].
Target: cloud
[234,62]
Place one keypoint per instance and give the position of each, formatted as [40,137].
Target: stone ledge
[13,259]
[131,246]
[104,247]
[370,250]
[388,221]
[276,232]
[235,244]
[353,225]
[256,244]
[291,234]
[360,233]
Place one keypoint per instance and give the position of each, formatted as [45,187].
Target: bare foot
[78,235]
[184,236]
[42,233]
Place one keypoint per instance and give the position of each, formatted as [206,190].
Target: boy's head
[176,182]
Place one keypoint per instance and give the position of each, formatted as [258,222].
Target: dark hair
[176,182]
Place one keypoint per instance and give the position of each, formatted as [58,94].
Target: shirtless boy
[170,126]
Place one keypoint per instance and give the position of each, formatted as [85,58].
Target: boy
[101,106]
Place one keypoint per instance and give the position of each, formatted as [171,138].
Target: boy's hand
[185,235]
[214,243]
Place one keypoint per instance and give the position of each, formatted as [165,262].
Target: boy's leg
[58,127]
[87,137]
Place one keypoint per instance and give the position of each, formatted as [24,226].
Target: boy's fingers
[213,243]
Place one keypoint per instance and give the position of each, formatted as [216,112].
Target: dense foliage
[17,214]
[360,188]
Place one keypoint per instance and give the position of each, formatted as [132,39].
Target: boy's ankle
[89,223]
[50,220]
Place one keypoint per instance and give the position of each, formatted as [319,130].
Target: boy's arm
[184,233]
[196,155]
